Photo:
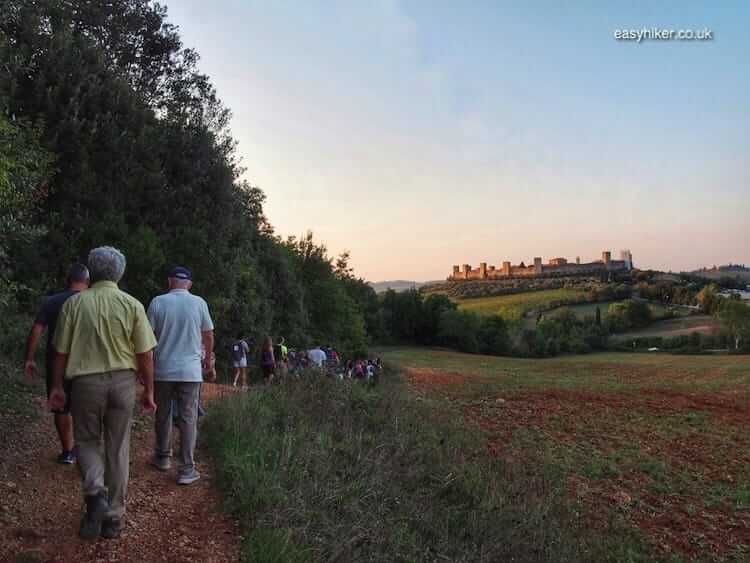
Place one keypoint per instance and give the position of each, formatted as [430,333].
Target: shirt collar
[105,283]
[178,290]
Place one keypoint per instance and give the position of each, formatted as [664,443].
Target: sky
[422,134]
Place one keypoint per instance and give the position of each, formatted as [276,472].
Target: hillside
[397,285]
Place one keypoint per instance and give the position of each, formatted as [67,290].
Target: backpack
[238,351]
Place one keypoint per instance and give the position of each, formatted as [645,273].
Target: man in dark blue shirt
[78,280]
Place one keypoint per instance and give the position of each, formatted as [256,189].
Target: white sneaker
[161,463]
[188,478]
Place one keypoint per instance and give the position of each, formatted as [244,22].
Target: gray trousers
[186,396]
[102,409]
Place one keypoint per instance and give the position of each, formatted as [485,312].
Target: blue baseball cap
[180,273]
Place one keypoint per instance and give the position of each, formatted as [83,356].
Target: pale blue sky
[422,134]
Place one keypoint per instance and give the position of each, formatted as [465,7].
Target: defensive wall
[553,268]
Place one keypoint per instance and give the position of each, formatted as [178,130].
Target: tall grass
[319,470]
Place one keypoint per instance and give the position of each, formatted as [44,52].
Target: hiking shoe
[161,463]
[112,528]
[67,458]
[91,523]
[187,478]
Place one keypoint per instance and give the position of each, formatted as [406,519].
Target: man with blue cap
[184,332]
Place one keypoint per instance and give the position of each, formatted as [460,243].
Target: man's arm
[207,336]
[32,342]
[145,363]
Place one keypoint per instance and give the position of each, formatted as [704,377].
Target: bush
[460,330]
[493,336]
[628,314]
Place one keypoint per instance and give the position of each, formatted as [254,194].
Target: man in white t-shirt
[317,357]
[184,331]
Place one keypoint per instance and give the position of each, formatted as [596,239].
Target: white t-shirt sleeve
[153,315]
[206,322]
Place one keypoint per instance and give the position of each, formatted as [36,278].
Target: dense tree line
[411,317]
[112,135]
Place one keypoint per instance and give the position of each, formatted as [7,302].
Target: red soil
[676,521]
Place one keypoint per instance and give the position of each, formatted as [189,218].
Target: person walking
[185,347]
[239,360]
[104,345]
[281,354]
[317,357]
[77,280]
[267,360]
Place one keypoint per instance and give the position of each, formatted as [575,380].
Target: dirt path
[40,506]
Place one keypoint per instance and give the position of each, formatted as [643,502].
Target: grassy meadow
[655,443]
[515,306]
[669,328]
[323,470]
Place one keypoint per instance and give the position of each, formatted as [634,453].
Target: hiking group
[101,343]
[276,361]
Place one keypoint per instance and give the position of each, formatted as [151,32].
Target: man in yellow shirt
[103,343]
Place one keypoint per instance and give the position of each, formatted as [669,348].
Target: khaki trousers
[185,395]
[102,409]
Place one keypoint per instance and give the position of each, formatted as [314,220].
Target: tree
[145,162]
[459,330]
[24,170]
[628,314]
[735,322]
[493,336]
[433,307]
[709,299]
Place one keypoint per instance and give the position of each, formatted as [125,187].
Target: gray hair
[106,264]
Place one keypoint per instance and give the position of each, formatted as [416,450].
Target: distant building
[555,267]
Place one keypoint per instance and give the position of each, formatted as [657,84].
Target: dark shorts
[67,387]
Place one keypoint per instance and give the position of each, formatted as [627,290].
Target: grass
[513,307]
[18,393]
[610,371]
[674,327]
[657,440]
[319,470]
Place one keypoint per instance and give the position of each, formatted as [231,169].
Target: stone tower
[538,265]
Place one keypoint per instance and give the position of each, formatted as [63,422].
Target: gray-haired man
[103,339]
[184,331]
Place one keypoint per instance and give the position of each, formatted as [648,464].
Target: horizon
[418,135]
